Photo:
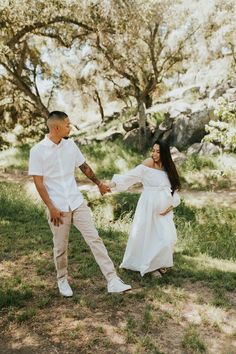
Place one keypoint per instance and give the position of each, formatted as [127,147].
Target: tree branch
[38,25]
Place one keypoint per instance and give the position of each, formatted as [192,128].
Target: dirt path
[221,198]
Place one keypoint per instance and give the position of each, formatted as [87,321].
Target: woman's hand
[167,211]
[112,184]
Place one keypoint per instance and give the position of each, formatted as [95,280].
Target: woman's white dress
[152,236]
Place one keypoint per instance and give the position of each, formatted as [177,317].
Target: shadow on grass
[23,226]
[190,271]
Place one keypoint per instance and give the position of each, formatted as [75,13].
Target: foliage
[125,45]
[222,132]
[196,163]
[208,230]
[115,48]
[115,157]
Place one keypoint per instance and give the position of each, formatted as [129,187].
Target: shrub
[223,131]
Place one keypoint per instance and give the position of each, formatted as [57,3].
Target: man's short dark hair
[55,116]
[58,115]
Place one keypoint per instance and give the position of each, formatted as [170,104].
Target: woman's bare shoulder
[148,162]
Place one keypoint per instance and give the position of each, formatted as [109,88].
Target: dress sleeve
[123,182]
[176,199]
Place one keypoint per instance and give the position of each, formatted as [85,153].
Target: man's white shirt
[57,163]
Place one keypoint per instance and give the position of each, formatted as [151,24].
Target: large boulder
[209,149]
[203,149]
[131,138]
[188,130]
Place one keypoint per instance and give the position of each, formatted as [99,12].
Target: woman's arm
[122,182]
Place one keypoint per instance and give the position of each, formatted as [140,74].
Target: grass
[208,173]
[192,341]
[148,320]
[15,158]
[107,158]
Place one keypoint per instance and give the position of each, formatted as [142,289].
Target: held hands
[56,216]
[104,188]
[167,211]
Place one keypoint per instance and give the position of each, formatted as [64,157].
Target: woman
[153,232]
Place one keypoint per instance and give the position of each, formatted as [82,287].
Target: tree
[139,43]
[26,28]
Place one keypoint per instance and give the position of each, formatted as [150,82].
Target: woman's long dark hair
[168,165]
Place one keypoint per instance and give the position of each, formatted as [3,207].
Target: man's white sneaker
[116,285]
[64,287]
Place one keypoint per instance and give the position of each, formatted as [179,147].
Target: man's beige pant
[82,219]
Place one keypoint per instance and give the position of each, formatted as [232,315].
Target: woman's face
[155,153]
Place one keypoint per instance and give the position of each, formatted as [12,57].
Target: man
[52,164]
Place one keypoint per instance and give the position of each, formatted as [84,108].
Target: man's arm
[55,214]
[86,169]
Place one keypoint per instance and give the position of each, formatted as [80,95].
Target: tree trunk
[26,89]
[42,108]
[142,124]
[99,102]
[148,101]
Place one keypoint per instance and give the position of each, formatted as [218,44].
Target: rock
[131,138]
[113,116]
[189,130]
[216,92]
[166,136]
[177,156]
[232,82]
[130,124]
[194,149]
[109,135]
[203,148]
[203,92]
[209,149]
[167,122]
[190,92]
[230,95]
[211,104]
[180,107]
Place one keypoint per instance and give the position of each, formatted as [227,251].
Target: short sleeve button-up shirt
[57,163]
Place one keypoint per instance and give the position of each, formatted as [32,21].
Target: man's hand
[104,188]
[166,211]
[56,216]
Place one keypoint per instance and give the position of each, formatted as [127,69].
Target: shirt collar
[48,142]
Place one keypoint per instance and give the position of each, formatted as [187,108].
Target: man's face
[63,128]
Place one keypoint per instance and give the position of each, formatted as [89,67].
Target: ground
[190,310]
